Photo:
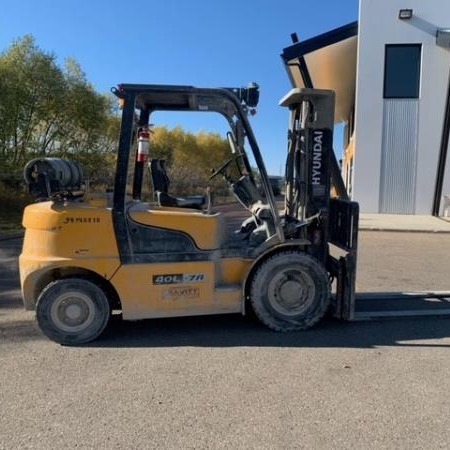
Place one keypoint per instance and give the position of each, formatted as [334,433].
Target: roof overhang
[327,61]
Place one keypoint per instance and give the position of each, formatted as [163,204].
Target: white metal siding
[399,156]
[379,25]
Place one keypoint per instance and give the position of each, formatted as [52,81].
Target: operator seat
[161,184]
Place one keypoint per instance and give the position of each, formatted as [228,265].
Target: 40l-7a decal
[178,278]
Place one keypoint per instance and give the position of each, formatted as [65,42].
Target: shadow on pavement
[238,331]
[20,330]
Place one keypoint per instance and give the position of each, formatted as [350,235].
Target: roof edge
[322,40]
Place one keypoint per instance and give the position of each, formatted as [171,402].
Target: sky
[199,42]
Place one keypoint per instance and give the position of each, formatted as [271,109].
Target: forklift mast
[310,143]
[325,222]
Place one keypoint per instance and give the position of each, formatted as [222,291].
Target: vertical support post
[120,183]
[442,156]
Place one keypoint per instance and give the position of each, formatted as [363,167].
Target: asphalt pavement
[228,382]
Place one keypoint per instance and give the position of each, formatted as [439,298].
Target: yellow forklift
[86,255]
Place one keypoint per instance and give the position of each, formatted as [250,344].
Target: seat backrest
[159,175]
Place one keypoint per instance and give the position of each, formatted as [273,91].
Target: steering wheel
[221,169]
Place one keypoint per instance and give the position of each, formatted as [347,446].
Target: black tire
[72,311]
[275,285]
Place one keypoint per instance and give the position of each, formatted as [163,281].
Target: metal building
[391,74]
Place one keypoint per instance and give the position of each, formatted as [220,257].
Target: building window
[402,71]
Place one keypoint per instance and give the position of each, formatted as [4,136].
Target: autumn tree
[190,158]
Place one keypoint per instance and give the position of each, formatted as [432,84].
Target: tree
[190,158]
[34,87]
[50,111]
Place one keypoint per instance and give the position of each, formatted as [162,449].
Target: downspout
[442,156]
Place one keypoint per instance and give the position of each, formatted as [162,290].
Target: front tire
[290,291]
[72,311]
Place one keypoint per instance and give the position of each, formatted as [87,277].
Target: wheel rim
[291,292]
[73,312]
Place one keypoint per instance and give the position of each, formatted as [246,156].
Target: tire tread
[267,316]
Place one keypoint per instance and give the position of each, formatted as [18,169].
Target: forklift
[87,254]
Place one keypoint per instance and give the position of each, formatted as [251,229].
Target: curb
[405,230]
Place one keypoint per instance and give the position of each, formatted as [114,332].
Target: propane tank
[48,177]
[143,145]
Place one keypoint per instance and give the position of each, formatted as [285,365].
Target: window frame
[419,71]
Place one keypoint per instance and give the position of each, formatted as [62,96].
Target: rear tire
[290,291]
[72,311]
